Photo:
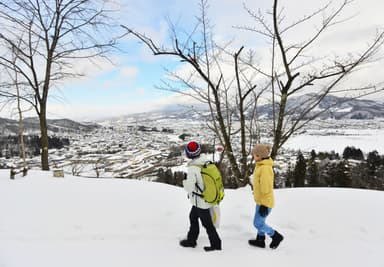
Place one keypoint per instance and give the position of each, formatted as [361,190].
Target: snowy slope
[80,222]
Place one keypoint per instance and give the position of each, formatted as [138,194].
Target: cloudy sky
[129,84]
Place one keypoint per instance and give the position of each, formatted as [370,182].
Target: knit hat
[262,150]
[192,149]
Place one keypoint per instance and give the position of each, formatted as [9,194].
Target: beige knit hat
[262,150]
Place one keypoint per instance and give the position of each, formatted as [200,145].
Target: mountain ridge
[331,107]
[32,126]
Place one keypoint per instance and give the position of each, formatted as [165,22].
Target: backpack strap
[198,194]
[196,185]
[207,163]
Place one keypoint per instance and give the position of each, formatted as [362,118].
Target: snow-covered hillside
[80,222]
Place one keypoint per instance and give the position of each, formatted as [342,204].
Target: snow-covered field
[72,221]
[367,140]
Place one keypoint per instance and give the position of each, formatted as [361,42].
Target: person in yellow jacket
[263,178]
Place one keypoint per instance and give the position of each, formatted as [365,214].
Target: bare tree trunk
[21,132]
[278,131]
[44,138]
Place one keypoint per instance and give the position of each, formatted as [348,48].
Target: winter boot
[212,248]
[276,239]
[187,243]
[258,242]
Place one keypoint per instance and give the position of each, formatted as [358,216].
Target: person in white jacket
[200,208]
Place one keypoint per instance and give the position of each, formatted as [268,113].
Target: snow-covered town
[138,146]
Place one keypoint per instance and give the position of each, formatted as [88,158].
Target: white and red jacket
[193,178]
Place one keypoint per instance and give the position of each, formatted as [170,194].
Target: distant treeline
[351,169]
[322,169]
[9,145]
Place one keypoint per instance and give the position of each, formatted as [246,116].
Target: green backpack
[213,191]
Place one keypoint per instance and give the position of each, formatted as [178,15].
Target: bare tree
[77,168]
[233,95]
[47,37]
[97,166]
[297,71]
[21,126]
[12,76]
[220,80]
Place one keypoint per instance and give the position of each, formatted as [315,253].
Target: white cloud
[129,72]
[84,112]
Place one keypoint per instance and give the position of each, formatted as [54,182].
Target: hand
[263,211]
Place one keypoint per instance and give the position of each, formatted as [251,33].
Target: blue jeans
[259,223]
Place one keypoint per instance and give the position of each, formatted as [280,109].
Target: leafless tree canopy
[52,34]
[232,93]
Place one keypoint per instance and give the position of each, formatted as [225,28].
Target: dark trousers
[206,221]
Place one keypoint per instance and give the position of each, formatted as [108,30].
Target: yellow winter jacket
[263,178]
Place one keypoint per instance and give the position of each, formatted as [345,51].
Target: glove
[263,211]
